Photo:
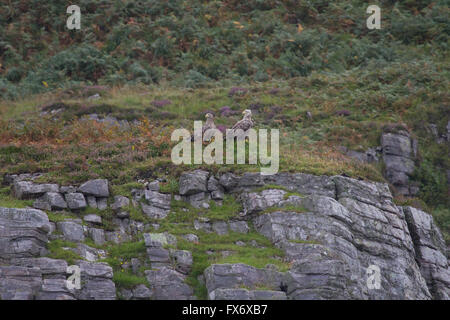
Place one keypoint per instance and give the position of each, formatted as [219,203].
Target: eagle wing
[243,124]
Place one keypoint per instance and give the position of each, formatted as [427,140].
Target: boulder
[75,201]
[244,294]
[141,292]
[230,276]
[168,284]
[71,230]
[28,189]
[399,152]
[182,260]
[431,252]
[50,201]
[120,202]
[239,226]
[193,182]
[102,203]
[93,218]
[97,235]
[19,283]
[97,282]
[23,233]
[98,188]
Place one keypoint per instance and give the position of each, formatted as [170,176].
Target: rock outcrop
[342,238]
[399,152]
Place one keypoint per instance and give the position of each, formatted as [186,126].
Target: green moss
[57,251]
[124,279]
[125,189]
[60,216]
[8,201]
[228,210]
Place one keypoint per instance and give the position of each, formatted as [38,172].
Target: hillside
[358,111]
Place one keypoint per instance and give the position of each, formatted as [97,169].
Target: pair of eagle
[245,124]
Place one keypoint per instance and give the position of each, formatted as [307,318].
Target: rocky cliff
[331,232]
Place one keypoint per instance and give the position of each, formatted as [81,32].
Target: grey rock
[125,294]
[399,152]
[97,235]
[71,230]
[50,268]
[220,227]
[97,282]
[93,218]
[92,202]
[228,181]
[19,283]
[135,265]
[334,242]
[50,201]
[54,289]
[120,202]
[67,189]
[154,212]
[153,186]
[23,233]
[159,239]
[256,202]
[141,292]
[168,284]
[88,253]
[75,201]
[193,182]
[244,294]
[203,225]
[198,200]
[28,189]
[239,226]
[98,188]
[102,203]
[191,237]
[122,214]
[117,237]
[431,252]
[227,276]
[182,260]
[159,200]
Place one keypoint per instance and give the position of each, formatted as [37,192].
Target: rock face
[399,152]
[97,188]
[26,275]
[28,189]
[430,251]
[168,284]
[223,281]
[23,233]
[193,182]
[342,238]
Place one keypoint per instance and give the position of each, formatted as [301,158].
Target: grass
[118,254]
[57,251]
[8,201]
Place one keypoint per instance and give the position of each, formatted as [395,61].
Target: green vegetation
[59,249]
[308,68]
[8,201]
[120,255]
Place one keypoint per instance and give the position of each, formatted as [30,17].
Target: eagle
[246,123]
[209,124]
